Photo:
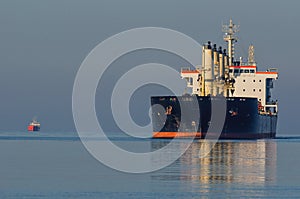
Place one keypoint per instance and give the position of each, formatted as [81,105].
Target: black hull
[242,119]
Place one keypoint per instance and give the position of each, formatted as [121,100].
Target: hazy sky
[43,43]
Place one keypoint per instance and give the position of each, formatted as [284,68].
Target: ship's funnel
[207,63]
[221,63]
[226,59]
[216,61]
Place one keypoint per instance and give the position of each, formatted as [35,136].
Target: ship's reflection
[247,162]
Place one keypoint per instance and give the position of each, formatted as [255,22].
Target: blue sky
[43,43]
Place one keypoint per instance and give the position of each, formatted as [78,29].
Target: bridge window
[242,70]
[236,70]
[251,71]
[246,71]
[230,70]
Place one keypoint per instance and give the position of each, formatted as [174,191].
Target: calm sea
[54,166]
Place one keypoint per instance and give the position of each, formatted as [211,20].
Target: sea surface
[56,165]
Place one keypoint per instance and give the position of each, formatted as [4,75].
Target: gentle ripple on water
[59,167]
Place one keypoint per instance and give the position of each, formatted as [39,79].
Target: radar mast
[230,37]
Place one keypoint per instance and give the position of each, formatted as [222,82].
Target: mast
[251,58]
[230,38]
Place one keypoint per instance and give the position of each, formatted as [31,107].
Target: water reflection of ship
[229,162]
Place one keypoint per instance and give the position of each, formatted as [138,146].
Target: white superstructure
[34,122]
[220,74]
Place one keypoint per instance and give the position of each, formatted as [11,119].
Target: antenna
[230,37]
